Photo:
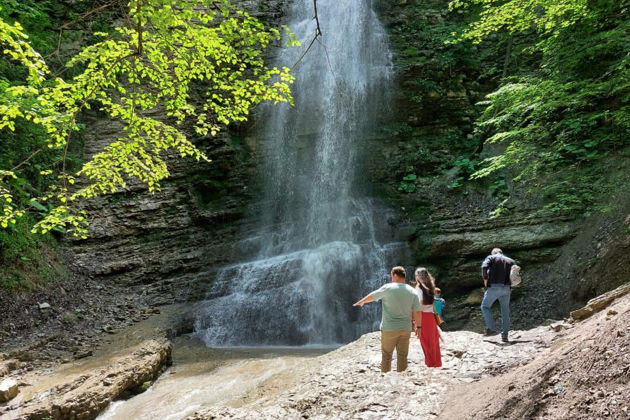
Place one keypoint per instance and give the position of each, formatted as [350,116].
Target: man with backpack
[495,270]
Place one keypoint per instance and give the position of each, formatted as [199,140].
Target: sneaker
[490,332]
[505,339]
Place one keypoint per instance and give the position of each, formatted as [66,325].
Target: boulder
[8,390]
[7,366]
[601,302]
[87,394]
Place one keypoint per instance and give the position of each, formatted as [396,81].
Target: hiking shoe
[505,339]
[490,332]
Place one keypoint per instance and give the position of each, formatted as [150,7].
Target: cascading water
[317,250]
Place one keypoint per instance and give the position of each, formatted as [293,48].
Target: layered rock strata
[86,395]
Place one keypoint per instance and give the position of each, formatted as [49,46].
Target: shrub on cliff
[561,119]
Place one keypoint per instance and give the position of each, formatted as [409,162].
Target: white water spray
[318,249]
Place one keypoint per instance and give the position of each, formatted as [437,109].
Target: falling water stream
[317,242]
[317,246]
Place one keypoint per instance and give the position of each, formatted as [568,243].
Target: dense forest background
[503,109]
[548,85]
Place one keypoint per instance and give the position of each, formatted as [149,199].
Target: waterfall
[317,247]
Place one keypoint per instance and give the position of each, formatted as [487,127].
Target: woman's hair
[426,282]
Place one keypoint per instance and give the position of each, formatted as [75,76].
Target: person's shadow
[509,343]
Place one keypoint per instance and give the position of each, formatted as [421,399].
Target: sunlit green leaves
[14,44]
[9,211]
[542,16]
[555,122]
[146,75]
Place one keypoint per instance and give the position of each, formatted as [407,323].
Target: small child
[439,303]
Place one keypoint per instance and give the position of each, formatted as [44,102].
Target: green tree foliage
[169,68]
[549,17]
[440,83]
[561,119]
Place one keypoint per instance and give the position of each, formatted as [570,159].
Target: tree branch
[318,32]
[15,168]
[319,29]
[87,14]
[139,28]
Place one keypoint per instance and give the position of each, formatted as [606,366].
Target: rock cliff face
[169,244]
[165,241]
[457,246]
[419,164]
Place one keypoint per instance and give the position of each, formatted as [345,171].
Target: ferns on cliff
[562,120]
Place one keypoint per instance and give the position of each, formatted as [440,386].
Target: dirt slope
[584,375]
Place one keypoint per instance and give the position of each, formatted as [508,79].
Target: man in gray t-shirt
[400,304]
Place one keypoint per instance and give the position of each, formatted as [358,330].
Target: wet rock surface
[347,383]
[84,395]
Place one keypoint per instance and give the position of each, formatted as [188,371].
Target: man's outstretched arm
[365,300]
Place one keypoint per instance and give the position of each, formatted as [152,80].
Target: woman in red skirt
[429,334]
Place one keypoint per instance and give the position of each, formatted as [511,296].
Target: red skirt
[430,340]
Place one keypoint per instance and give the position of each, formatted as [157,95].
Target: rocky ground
[576,368]
[567,370]
[66,321]
[347,383]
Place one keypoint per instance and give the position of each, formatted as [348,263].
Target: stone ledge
[86,395]
[509,238]
[601,302]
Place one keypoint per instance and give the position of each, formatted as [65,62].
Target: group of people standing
[406,308]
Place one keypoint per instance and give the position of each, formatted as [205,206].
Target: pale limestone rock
[6,366]
[86,395]
[347,382]
[8,390]
[600,302]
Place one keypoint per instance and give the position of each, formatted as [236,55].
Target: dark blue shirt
[496,269]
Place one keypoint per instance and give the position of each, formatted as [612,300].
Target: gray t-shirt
[399,299]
